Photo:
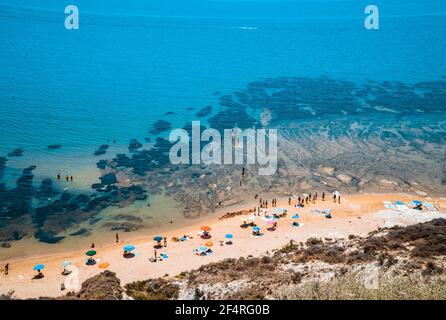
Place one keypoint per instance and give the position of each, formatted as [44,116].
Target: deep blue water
[118,74]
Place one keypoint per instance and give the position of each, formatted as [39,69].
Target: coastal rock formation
[101,150]
[160,126]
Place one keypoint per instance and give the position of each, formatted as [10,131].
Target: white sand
[358,214]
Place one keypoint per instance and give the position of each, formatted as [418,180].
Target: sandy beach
[357,214]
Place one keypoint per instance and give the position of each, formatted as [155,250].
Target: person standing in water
[58,177]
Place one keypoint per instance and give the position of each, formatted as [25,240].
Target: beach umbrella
[205,228]
[209,244]
[158,238]
[296,216]
[252,218]
[256,228]
[39,267]
[104,265]
[129,247]
[203,248]
[243,219]
[229,236]
[304,195]
[399,202]
[416,202]
[270,221]
[66,264]
[90,253]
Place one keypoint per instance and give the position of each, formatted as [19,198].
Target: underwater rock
[16,153]
[160,126]
[102,164]
[3,161]
[47,237]
[81,232]
[128,217]
[122,226]
[134,145]
[6,245]
[109,178]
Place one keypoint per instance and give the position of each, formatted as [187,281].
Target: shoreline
[357,214]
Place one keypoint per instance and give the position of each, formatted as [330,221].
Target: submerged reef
[54,146]
[46,212]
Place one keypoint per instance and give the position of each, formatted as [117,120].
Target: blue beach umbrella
[416,202]
[66,264]
[158,238]
[39,267]
[256,228]
[399,203]
[204,248]
[296,216]
[229,236]
[129,247]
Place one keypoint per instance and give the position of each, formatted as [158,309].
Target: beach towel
[164,256]
[390,206]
